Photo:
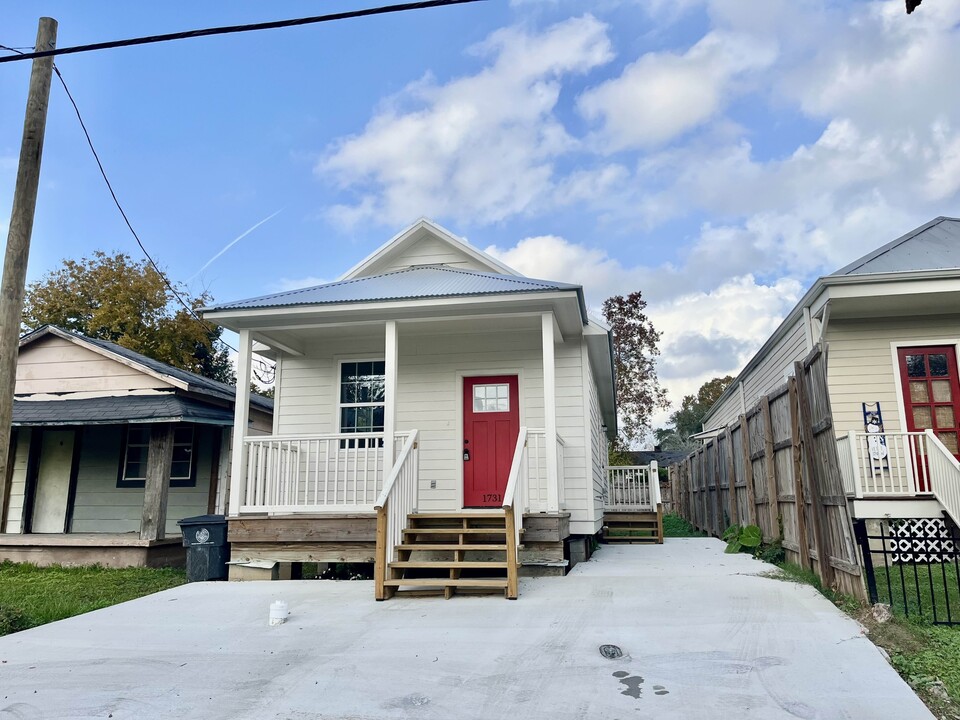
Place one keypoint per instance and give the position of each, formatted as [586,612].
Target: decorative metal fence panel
[913,566]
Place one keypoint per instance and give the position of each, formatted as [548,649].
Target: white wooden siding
[55,365]
[598,443]
[765,377]
[429,250]
[432,362]
[861,366]
[21,454]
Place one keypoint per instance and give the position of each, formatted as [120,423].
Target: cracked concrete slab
[701,634]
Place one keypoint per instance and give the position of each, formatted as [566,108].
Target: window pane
[364,370]
[945,417]
[380,368]
[949,440]
[138,435]
[922,418]
[180,469]
[378,419]
[942,391]
[183,435]
[919,392]
[938,365]
[915,367]
[348,393]
[348,372]
[348,419]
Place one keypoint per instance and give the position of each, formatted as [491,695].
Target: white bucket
[278,612]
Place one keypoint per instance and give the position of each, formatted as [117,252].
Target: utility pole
[18,240]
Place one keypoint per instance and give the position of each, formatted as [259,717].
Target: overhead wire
[231,29]
[265,368]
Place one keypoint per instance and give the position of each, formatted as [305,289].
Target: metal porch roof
[417,282]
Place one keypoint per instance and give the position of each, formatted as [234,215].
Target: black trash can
[205,537]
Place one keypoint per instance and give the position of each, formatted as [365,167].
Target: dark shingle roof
[933,246]
[417,282]
[116,410]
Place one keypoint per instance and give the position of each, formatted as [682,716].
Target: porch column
[550,411]
[390,357]
[159,454]
[241,415]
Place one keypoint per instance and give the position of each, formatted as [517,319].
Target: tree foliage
[111,297]
[686,420]
[635,350]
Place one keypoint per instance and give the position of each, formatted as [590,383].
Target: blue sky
[715,154]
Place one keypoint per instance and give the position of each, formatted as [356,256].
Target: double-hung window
[136,451]
[362,397]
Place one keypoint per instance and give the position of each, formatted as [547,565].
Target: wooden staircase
[628,528]
[452,552]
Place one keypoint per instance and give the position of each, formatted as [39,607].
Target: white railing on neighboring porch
[633,487]
[338,472]
[394,504]
[908,464]
[515,500]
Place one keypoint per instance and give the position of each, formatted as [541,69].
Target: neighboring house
[423,365]
[110,449]
[891,325]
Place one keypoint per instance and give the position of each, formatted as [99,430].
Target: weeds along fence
[777,468]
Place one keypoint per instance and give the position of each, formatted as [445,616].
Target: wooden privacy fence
[781,460]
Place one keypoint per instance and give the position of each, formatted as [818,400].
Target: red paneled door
[491,423]
[931,393]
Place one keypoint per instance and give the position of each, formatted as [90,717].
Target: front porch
[113,550]
[899,475]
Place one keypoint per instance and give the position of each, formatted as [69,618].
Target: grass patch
[675,526]
[31,595]
[920,590]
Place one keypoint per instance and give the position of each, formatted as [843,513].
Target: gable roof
[418,282]
[416,232]
[183,379]
[934,246]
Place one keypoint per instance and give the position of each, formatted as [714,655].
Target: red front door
[491,423]
[931,393]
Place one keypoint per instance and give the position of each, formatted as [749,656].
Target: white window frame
[341,405]
[191,445]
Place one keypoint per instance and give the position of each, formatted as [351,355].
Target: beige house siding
[54,365]
[21,454]
[861,366]
[769,374]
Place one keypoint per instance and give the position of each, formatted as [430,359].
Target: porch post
[550,412]
[154,520]
[390,357]
[241,415]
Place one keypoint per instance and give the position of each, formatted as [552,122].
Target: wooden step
[496,515]
[454,531]
[448,582]
[449,564]
[448,546]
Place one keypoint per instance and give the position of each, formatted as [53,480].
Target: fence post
[770,465]
[731,478]
[800,503]
[860,532]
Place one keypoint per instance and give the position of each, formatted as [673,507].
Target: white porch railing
[396,501]
[538,483]
[633,488]
[885,464]
[322,473]
[944,476]
[515,500]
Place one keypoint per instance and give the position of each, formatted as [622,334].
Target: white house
[891,324]
[435,411]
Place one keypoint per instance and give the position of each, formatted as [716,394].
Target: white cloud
[478,148]
[664,94]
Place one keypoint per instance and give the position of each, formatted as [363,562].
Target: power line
[266,369]
[231,29]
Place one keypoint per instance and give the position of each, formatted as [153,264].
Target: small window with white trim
[362,400]
[491,398]
[134,472]
[181,464]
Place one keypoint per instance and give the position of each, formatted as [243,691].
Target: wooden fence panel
[776,467]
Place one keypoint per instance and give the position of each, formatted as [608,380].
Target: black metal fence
[913,566]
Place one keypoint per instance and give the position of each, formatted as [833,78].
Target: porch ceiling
[893,302]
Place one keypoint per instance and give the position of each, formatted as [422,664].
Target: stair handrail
[944,475]
[396,501]
[514,504]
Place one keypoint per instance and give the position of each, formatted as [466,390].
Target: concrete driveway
[702,636]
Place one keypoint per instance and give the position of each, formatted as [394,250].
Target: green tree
[687,419]
[111,297]
[635,350]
